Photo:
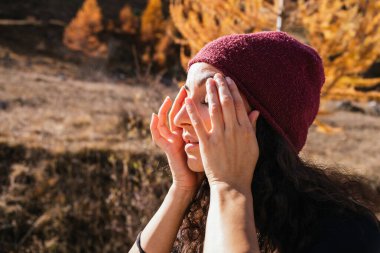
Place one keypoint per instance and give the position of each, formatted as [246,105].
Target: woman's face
[196,89]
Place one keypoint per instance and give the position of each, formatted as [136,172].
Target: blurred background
[79,80]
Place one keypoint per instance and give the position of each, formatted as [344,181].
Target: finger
[196,120]
[253,116]
[215,109]
[176,107]
[241,113]
[226,101]
[156,136]
[162,119]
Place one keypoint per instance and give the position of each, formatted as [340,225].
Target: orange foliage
[152,21]
[81,33]
[156,32]
[347,35]
[129,22]
[163,44]
[200,22]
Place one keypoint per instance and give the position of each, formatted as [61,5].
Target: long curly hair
[289,195]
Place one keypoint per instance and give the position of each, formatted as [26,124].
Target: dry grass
[89,201]
[78,171]
[85,178]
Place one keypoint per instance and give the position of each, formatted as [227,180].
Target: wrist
[225,195]
[182,193]
[220,187]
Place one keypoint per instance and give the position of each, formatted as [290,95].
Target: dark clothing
[337,234]
[346,235]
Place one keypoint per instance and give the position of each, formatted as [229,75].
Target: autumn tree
[81,33]
[202,21]
[346,34]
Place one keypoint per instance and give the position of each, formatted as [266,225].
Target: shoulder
[347,234]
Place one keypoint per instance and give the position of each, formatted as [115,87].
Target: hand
[169,139]
[229,151]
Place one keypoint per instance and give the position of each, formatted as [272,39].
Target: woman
[232,142]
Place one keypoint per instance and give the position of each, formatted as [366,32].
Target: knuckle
[231,130]
[227,100]
[219,136]
[239,106]
[214,108]
[247,130]
[222,83]
[214,140]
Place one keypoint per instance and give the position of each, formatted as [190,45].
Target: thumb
[253,116]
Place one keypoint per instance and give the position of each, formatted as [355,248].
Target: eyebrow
[201,81]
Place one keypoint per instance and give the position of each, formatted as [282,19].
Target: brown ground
[44,106]
[77,154]
[356,147]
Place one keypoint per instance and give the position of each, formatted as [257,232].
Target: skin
[197,75]
[226,154]
[229,153]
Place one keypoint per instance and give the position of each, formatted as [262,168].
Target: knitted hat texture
[280,76]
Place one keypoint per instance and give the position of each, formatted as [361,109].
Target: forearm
[160,232]
[230,222]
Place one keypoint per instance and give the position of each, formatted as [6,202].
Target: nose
[182,118]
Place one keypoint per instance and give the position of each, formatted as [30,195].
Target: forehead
[198,74]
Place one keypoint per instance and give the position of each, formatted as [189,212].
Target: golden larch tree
[81,33]
[346,34]
[128,21]
[152,21]
[200,22]
[157,32]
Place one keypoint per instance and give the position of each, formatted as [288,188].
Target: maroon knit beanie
[280,76]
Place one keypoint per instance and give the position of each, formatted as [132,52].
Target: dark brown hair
[290,194]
